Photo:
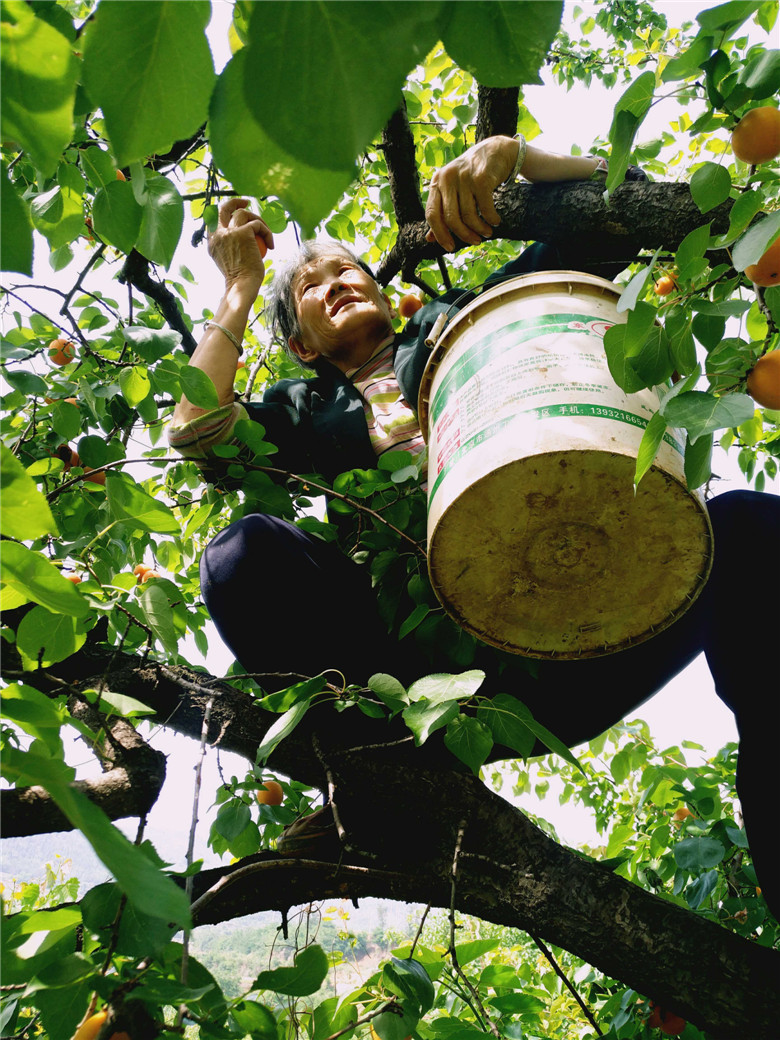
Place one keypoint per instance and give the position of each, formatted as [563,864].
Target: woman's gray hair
[280,302]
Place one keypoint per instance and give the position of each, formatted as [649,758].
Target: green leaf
[25,513]
[44,638]
[698,461]
[59,215]
[38,95]
[424,717]
[419,614]
[630,111]
[502,44]
[695,854]
[281,729]
[98,165]
[693,246]
[409,980]
[700,413]
[32,575]
[163,218]
[690,61]
[35,713]
[636,287]
[28,383]
[151,344]
[681,343]
[66,420]
[469,740]
[16,242]
[145,886]
[710,185]
[728,16]
[756,240]
[232,818]
[135,384]
[761,75]
[505,716]
[128,501]
[148,66]
[157,611]
[117,216]
[198,388]
[336,48]
[441,687]
[389,690]
[652,438]
[305,977]
[256,165]
[119,704]
[255,1019]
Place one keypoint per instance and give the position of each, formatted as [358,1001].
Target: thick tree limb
[133,777]
[402,175]
[591,234]
[497,111]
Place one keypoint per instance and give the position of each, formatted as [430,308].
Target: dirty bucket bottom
[553,556]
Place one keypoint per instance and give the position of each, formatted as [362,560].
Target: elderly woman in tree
[285,601]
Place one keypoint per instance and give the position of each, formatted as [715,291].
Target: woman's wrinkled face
[341,311]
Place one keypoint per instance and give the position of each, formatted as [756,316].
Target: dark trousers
[284,601]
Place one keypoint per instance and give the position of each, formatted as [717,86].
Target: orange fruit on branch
[763,380]
[270,793]
[664,285]
[89,1030]
[61,351]
[73,577]
[756,137]
[409,305]
[140,569]
[766,271]
[95,476]
[120,176]
[148,575]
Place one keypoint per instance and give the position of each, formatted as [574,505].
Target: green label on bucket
[445,464]
[490,347]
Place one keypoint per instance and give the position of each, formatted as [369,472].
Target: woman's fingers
[455,207]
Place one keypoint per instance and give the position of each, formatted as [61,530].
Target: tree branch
[402,175]
[136,273]
[609,235]
[133,777]
[497,111]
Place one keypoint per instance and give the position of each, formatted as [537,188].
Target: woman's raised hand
[239,243]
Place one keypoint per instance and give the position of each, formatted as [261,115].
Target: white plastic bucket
[537,542]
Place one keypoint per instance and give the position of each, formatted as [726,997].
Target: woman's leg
[285,601]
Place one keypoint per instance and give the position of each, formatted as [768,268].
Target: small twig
[486,1021]
[419,930]
[391,1005]
[185,950]
[344,498]
[340,829]
[445,274]
[559,972]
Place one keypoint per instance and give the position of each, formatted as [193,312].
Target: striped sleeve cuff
[195,439]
